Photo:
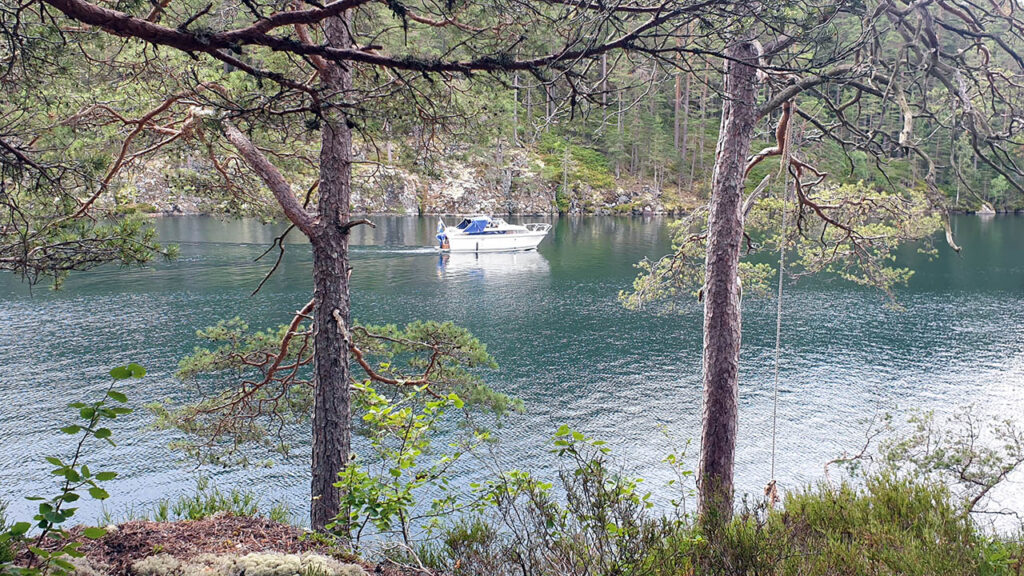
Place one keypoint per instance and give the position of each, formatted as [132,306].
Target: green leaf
[563,430]
[121,373]
[39,552]
[98,493]
[87,413]
[73,429]
[119,396]
[94,533]
[54,460]
[102,433]
[136,370]
[20,528]
[64,564]
[105,476]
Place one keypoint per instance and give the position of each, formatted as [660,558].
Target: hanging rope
[778,334]
[770,490]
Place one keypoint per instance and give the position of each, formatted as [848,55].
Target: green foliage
[76,480]
[852,231]
[889,526]
[207,500]
[964,452]
[381,491]
[518,525]
[57,245]
[6,546]
[582,165]
[261,389]
[888,522]
[562,202]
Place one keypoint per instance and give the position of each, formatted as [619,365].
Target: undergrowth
[208,500]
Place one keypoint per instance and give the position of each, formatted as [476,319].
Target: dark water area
[553,323]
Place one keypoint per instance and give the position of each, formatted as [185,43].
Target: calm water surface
[552,322]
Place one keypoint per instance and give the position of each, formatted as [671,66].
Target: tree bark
[699,156]
[685,136]
[331,318]
[677,109]
[722,291]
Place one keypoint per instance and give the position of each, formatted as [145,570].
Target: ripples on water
[552,321]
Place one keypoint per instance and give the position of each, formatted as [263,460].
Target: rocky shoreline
[513,187]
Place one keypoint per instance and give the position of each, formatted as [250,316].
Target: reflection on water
[492,265]
[551,320]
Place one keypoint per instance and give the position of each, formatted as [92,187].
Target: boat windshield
[474,225]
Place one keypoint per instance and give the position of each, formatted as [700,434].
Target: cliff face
[510,184]
[456,188]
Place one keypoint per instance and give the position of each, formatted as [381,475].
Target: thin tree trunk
[618,130]
[722,291]
[331,416]
[699,157]
[678,110]
[515,108]
[549,106]
[685,137]
[604,90]
[528,121]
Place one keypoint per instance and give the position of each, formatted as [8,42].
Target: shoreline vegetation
[914,501]
[889,527]
[886,524]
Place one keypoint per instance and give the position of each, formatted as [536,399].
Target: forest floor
[186,540]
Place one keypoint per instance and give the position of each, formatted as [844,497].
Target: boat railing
[538,227]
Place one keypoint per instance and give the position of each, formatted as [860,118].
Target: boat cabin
[484,225]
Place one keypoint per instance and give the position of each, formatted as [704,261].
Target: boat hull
[494,242]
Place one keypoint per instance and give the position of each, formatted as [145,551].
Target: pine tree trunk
[722,291]
[677,109]
[685,137]
[515,109]
[331,413]
[699,156]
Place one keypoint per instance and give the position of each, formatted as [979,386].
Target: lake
[552,321]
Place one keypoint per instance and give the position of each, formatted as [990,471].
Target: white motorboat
[486,234]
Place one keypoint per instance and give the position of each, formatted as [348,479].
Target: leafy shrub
[75,479]
[597,521]
[6,549]
[890,526]
[606,524]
